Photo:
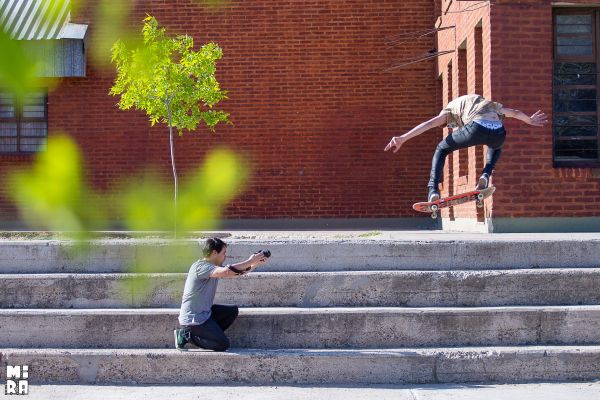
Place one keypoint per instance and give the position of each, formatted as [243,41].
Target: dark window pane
[574,74]
[562,80]
[7,112]
[574,50]
[574,120]
[574,105]
[35,98]
[574,29]
[574,19]
[574,68]
[32,136]
[8,129]
[33,144]
[34,111]
[6,98]
[33,129]
[575,41]
[8,145]
[34,105]
[7,106]
[577,149]
[575,130]
[576,94]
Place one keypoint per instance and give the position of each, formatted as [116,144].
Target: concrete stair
[576,286]
[414,311]
[315,328]
[310,366]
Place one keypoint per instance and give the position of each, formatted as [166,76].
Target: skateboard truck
[434,210]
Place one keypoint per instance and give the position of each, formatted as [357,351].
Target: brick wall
[514,60]
[313,108]
[528,183]
[311,104]
[470,61]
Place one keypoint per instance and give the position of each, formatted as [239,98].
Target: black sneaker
[180,340]
[483,182]
[434,195]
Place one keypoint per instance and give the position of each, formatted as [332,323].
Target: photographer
[202,322]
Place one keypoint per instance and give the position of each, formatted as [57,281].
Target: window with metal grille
[23,124]
[575,87]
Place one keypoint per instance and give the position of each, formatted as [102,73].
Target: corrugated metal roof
[34,19]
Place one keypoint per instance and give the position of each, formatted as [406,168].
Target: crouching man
[203,323]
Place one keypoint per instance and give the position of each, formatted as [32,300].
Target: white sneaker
[434,195]
[483,182]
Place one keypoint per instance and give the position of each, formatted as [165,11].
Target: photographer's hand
[256,259]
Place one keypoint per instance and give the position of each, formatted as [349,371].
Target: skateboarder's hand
[538,119]
[397,142]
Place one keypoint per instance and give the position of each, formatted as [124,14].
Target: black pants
[469,135]
[210,335]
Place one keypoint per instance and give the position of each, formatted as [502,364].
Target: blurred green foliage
[19,71]
[52,193]
[146,204]
[111,23]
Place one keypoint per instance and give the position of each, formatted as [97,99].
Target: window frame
[595,58]
[19,118]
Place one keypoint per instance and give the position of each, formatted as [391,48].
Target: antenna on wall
[396,40]
[431,55]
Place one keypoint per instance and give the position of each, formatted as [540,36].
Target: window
[575,88]
[24,124]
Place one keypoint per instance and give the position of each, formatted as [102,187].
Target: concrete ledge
[569,286]
[548,224]
[466,225]
[412,223]
[261,367]
[437,253]
[310,327]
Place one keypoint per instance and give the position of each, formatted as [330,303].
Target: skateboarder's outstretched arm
[537,119]
[398,141]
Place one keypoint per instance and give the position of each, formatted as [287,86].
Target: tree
[171,82]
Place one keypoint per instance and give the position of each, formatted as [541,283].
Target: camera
[265,253]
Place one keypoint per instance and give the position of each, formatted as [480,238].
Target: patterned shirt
[464,109]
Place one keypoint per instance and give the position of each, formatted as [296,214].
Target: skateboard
[474,195]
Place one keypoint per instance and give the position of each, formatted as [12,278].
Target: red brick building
[314,102]
[527,54]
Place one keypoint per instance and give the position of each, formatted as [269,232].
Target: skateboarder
[477,121]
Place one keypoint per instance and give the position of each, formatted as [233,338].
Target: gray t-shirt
[198,294]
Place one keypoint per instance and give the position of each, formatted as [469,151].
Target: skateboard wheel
[434,215]
[479,204]
[480,196]
[434,208]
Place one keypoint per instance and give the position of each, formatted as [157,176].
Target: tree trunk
[173,165]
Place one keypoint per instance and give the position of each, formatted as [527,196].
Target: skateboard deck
[474,195]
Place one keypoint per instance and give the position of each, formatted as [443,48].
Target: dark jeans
[210,335]
[469,135]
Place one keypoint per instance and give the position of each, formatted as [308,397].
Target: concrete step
[332,367]
[310,327]
[292,254]
[586,390]
[565,286]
